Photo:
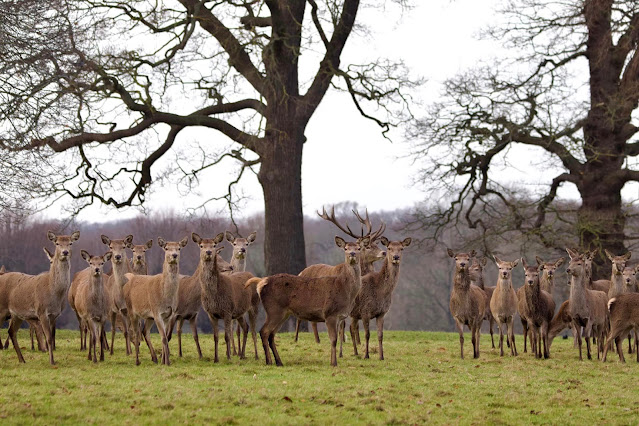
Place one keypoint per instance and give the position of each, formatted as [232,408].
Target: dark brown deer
[327,298]
[477,279]
[467,302]
[92,302]
[370,254]
[587,308]
[40,297]
[190,293]
[630,280]
[624,318]
[538,308]
[154,298]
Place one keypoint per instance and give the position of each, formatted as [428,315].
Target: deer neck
[366,267]
[119,271]
[60,273]
[170,280]
[546,283]
[461,280]
[578,302]
[209,275]
[479,281]
[532,294]
[140,268]
[238,265]
[504,284]
[352,272]
[390,274]
[96,288]
[618,283]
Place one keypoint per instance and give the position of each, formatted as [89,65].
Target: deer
[374,299]
[476,271]
[538,308]
[326,298]
[369,255]
[617,283]
[503,303]
[630,281]
[114,287]
[92,302]
[226,296]
[546,283]
[40,297]
[624,318]
[154,298]
[190,293]
[138,265]
[587,308]
[467,302]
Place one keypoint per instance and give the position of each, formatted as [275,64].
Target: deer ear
[128,239]
[539,260]
[573,254]
[483,260]
[149,244]
[515,262]
[608,254]
[497,260]
[85,255]
[51,236]
[105,239]
[407,241]
[559,262]
[218,238]
[450,252]
[251,237]
[196,238]
[48,253]
[3,270]
[384,241]
[75,236]
[523,263]
[129,246]
[229,237]
[473,253]
[161,242]
[340,242]
[627,255]
[218,250]
[363,242]
[184,241]
[107,256]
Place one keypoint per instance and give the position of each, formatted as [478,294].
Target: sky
[346,158]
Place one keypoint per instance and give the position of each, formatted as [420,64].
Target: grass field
[422,380]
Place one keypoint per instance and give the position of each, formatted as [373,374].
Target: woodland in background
[420,301]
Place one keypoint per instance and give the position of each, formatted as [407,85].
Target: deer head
[63,244]
[352,250]
[505,268]
[208,245]
[139,252]
[395,248]
[96,263]
[462,260]
[172,249]
[531,272]
[240,244]
[578,264]
[549,268]
[618,262]
[117,247]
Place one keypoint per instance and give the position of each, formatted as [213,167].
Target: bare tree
[116,86]
[569,93]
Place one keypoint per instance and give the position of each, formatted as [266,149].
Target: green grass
[422,380]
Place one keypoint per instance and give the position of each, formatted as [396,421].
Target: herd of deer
[133,301]
[606,310]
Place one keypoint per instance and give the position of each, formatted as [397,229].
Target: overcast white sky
[346,158]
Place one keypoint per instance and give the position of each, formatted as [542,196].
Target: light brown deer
[587,308]
[190,293]
[467,302]
[630,279]
[538,308]
[617,283]
[370,254]
[225,296]
[374,298]
[39,297]
[155,298]
[92,302]
[503,304]
[624,318]
[476,271]
[327,298]
[114,287]
[138,265]
[546,283]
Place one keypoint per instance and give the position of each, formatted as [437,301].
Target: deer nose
[242,250]
[97,269]
[65,252]
[175,255]
[139,257]
[118,257]
[567,270]
[530,281]
[462,264]
[396,257]
[384,253]
[352,254]
[209,252]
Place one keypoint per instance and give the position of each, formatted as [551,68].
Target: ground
[422,380]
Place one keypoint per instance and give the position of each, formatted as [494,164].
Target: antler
[367,222]
[331,218]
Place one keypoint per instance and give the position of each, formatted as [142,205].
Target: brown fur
[328,298]
[477,279]
[374,298]
[624,318]
[503,304]
[617,283]
[587,307]
[39,297]
[537,308]
[560,322]
[189,294]
[154,298]
[467,302]
[138,264]
[92,302]
[225,297]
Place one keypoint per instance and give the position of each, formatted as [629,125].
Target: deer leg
[169,327]
[636,344]
[367,334]
[524,325]
[511,333]
[166,354]
[53,332]
[460,329]
[228,336]
[491,323]
[587,333]
[31,332]
[113,327]
[14,326]
[332,325]
[136,336]
[315,332]
[180,323]
[89,331]
[359,341]
[354,326]
[501,339]
[544,339]
[94,339]
[577,329]
[252,314]
[46,326]
[380,336]
[241,322]
[42,345]
[340,330]
[232,338]
[239,328]
[297,328]
[146,330]
[127,339]
[216,337]
[273,322]
[193,323]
